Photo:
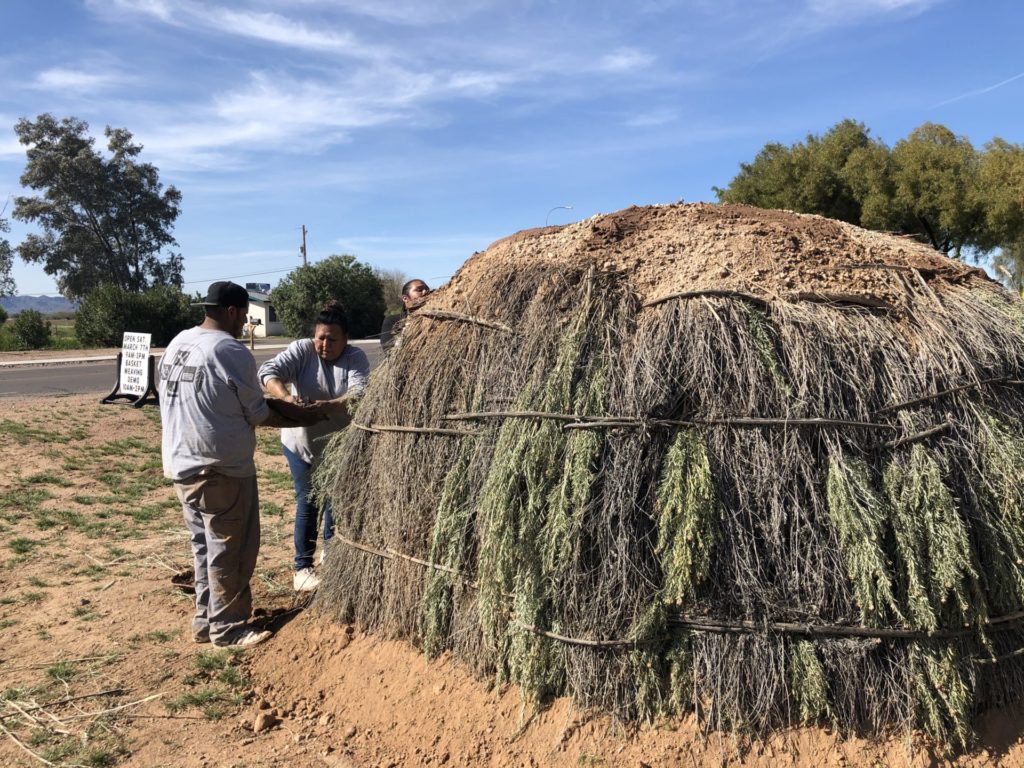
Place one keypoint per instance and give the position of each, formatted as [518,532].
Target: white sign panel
[134,363]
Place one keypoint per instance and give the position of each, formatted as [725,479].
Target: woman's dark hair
[409,284]
[333,313]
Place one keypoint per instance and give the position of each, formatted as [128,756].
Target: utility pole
[302,249]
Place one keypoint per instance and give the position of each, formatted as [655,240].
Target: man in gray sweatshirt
[210,404]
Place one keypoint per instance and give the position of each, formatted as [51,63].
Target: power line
[251,274]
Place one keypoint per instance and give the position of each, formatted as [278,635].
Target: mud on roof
[773,255]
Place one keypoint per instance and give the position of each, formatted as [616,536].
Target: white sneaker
[305,580]
[243,638]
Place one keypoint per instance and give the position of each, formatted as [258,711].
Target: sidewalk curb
[43,362]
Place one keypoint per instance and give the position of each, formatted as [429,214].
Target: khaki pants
[223,518]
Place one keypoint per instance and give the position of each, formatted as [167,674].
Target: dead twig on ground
[15,739]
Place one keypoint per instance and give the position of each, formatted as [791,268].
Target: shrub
[3,315]
[108,311]
[31,330]
[168,312]
[303,292]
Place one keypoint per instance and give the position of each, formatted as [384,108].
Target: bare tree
[392,280]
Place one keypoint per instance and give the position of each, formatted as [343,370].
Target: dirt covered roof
[775,255]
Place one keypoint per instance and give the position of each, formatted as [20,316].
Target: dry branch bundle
[759,469]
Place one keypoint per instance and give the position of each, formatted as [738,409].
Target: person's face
[237,318]
[329,342]
[416,293]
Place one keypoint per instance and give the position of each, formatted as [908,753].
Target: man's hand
[337,407]
[285,414]
[339,410]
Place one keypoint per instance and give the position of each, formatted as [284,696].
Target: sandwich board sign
[135,368]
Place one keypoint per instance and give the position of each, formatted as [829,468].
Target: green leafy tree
[31,330]
[1001,183]
[933,185]
[109,310]
[103,219]
[936,191]
[807,177]
[3,315]
[304,291]
[6,262]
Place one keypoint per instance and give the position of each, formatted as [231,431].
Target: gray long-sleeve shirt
[210,403]
[309,377]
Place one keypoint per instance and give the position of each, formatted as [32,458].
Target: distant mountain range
[44,304]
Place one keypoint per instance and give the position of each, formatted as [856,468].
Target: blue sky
[412,134]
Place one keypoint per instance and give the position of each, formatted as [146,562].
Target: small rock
[263,704]
[297,738]
[246,742]
[343,641]
[264,722]
[350,732]
[326,718]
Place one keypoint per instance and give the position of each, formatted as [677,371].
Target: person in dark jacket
[413,293]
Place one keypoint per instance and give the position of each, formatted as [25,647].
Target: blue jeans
[306,513]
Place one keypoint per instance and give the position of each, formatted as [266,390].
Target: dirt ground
[97,666]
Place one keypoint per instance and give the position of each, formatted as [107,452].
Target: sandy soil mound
[369,701]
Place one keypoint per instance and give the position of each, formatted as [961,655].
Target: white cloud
[10,149]
[160,9]
[625,60]
[652,118]
[77,80]
[841,10]
[480,83]
[349,83]
[276,112]
[403,12]
[274,28]
[287,106]
[268,27]
[280,30]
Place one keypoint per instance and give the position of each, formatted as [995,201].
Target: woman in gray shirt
[322,369]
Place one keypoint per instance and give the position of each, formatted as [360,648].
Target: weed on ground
[92,534]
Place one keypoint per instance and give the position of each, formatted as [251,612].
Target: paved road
[96,378]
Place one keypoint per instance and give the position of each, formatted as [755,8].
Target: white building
[262,313]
